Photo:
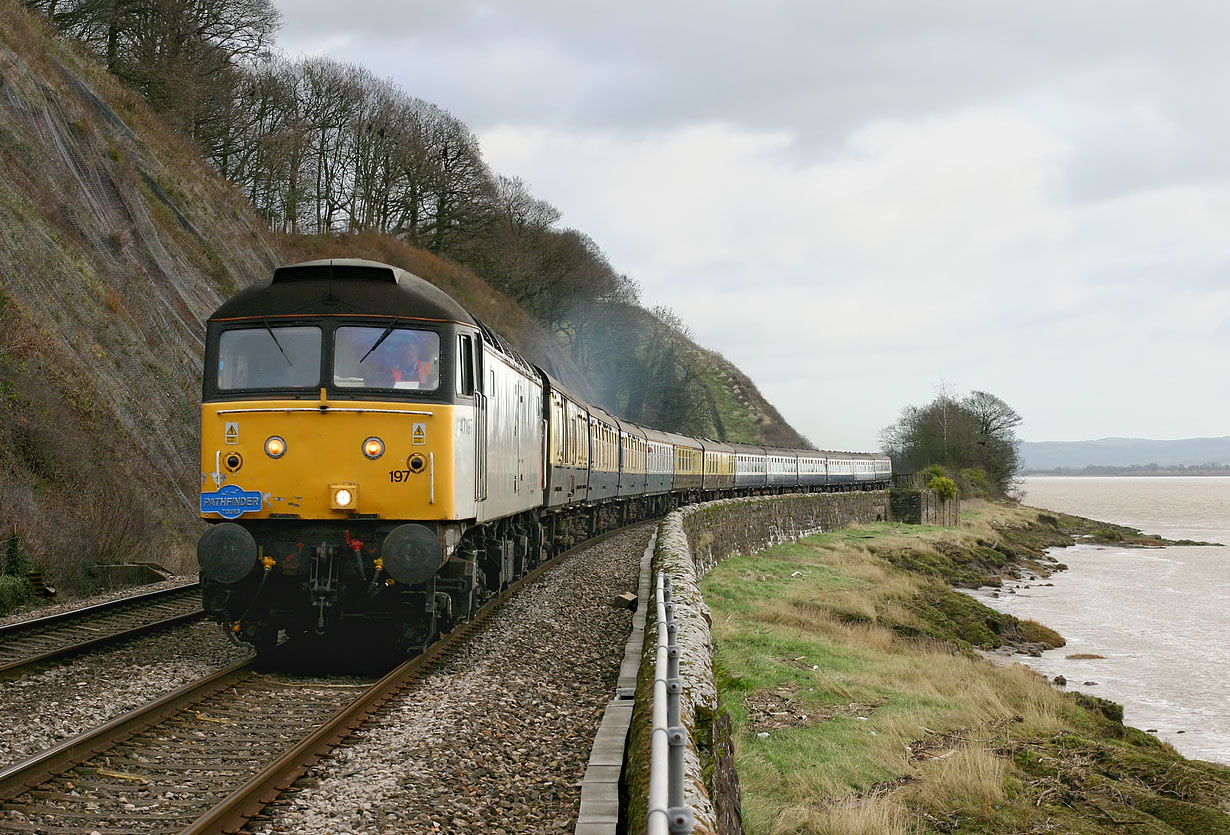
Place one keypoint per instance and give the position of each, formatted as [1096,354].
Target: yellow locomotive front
[338,454]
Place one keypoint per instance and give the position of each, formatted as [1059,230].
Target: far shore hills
[1147,470]
[1127,457]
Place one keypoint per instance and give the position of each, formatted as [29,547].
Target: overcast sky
[858,203]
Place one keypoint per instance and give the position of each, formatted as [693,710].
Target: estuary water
[1159,617]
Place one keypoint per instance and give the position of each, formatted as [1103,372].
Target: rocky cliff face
[116,241]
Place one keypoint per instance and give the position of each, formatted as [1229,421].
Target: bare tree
[976,431]
[179,53]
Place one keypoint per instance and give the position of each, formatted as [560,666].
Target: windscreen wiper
[275,342]
[383,336]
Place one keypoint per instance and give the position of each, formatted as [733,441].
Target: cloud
[855,201]
[926,249]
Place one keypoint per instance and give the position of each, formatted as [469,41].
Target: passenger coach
[374,457]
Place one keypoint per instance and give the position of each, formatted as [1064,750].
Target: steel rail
[37,769]
[10,669]
[92,609]
[250,799]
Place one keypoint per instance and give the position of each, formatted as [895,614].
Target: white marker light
[275,447]
[343,497]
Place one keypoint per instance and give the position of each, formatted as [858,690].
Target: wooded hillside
[118,237]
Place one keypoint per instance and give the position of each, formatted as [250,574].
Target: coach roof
[341,287]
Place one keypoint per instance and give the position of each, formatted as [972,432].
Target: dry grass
[879,733]
[986,522]
[969,779]
[931,716]
[856,816]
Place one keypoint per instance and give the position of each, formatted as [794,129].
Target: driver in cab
[413,365]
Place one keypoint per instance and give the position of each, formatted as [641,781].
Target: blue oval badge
[231,501]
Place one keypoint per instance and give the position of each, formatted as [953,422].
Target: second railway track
[28,643]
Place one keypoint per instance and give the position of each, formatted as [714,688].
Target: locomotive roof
[344,287]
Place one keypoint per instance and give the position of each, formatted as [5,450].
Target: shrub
[973,482]
[14,592]
[1036,633]
[14,563]
[933,471]
[944,486]
[1111,710]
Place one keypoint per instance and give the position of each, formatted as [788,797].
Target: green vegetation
[972,436]
[859,705]
[944,486]
[15,589]
[972,482]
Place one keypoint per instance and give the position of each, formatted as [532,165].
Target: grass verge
[859,704]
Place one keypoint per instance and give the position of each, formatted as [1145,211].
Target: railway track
[159,768]
[210,756]
[32,642]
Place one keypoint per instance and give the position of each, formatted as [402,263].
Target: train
[376,462]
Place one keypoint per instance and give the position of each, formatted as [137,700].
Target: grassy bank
[848,665]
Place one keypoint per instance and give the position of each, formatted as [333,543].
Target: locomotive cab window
[386,358]
[465,365]
[269,358]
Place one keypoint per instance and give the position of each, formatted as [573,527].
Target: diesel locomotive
[376,460]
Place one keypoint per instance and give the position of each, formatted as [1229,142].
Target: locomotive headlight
[343,496]
[275,447]
[373,448]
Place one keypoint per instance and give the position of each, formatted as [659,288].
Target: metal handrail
[667,811]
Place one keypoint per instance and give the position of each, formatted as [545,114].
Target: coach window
[269,358]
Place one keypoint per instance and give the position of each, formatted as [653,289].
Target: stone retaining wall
[690,542]
[923,507]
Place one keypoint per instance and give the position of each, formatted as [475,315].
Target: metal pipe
[667,813]
[657,818]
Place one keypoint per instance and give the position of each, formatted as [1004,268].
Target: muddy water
[1159,617]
